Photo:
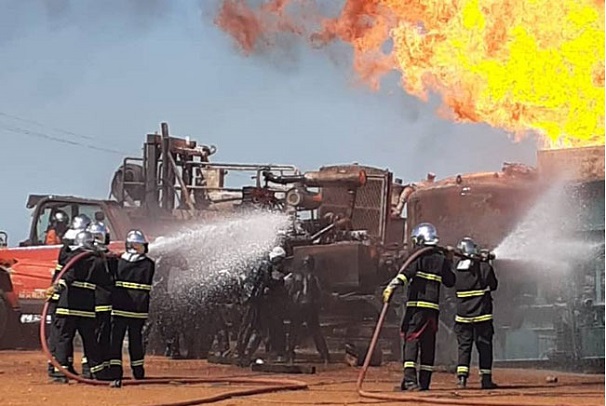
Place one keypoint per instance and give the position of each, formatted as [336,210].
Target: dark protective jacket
[303,288]
[265,281]
[133,284]
[65,254]
[105,283]
[475,281]
[77,286]
[424,277]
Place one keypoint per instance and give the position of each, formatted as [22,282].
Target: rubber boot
[138,373]
[71,369]
[86,374]
[462,382]
[50,369]
[58,377]
[408,385]
[487,382]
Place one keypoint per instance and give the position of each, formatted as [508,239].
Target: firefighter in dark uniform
[79,223]
[130,306]
[305,293]
[473,322]
[420,324]
[264,318]
[103,295]
[57,227]
[76,306]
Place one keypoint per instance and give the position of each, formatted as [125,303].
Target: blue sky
[112,70]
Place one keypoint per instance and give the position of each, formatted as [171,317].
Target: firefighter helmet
[135,242]
[277,253]
[60,217]
[84,239]
[100,232]
[80,222]
[467,246]
[424,234]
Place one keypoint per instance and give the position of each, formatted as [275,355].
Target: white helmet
[277,252]
[424,234]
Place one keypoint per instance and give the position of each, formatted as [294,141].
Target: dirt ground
[23,381]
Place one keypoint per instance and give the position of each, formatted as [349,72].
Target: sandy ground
[23,381]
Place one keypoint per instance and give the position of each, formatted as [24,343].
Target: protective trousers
[136,349]
[419,330]
[67,326]
[103,327]
[309,316]
[480,333]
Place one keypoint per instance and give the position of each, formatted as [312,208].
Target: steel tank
[483,206]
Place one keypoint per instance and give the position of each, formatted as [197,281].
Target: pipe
[412,398]
[270,385]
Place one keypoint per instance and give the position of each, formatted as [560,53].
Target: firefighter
[473,322]
[266,307]
[58,226]
[76,306]
[305,292]
[103,295]
[420,324]
[131,304]
[79,223]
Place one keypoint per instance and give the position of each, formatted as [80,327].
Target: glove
[387,293]
[50,292]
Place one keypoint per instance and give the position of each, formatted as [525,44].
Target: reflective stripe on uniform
[132,285]
[69,312]
[137,363]
[429,276]
[472,293]
[58,267]
[131,315]
[402,278]
[427,305]
[107,308]
[84,285]
[62,282]
[461,369]
[55,296]
[115,362]
[410,364]
[97,368]
[485,372]
[428,368]
[477,319]
[84,360]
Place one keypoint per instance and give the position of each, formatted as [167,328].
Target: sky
[105,73]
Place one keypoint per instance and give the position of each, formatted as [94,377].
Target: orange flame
[521,65]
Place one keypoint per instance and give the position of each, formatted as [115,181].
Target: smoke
[546,236]
[218,251]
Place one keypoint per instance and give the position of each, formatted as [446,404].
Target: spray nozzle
[482,255]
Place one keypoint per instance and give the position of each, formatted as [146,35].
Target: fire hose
[407,397]
[269,385]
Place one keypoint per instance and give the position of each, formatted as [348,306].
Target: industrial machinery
[340,214]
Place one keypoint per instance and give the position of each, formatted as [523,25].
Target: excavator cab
[46,206]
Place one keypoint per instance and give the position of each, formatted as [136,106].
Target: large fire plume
[527,66]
